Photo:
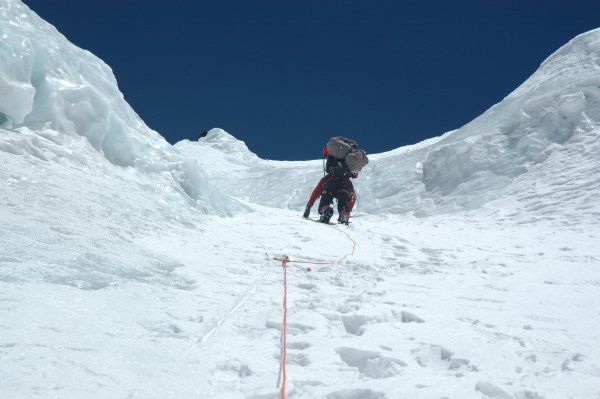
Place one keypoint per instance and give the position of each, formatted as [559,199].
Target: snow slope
[556,111]
[133,269]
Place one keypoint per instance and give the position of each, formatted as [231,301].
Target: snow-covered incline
[130,268]
[555,112]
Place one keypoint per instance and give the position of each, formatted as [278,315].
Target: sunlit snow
[130,268]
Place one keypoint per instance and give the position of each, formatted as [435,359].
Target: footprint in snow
[236,367]
[349,307]
[307,286]
[370,363]
[299,345]
[292,328]
[438,356]
[355,324]
[300,359]
[406,317]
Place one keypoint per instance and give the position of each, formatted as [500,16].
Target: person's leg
[325,202]
[352,201]
[327,196]
[344,196]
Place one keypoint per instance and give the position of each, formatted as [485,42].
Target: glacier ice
[53,84]
[61,103]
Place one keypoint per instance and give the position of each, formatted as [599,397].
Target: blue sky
[285,76]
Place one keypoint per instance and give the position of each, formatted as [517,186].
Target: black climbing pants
[340,188]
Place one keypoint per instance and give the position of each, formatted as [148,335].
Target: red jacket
[319,190]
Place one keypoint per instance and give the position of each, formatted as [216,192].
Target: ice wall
[61,103]
[48,83]
[554,109]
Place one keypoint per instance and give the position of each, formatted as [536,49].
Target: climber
[344,162]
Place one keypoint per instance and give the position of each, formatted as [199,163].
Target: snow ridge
[555,112]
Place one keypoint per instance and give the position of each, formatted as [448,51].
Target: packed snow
[130,268]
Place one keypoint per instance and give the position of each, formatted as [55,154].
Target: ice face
[59,102]
[47,82]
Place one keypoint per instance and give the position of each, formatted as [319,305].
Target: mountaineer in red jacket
[335,184]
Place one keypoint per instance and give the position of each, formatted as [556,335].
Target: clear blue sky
[285,76]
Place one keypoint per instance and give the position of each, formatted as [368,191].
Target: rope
[283,342]
[282,376]
[343,258]
[336,263]
[199,340]
[304,261]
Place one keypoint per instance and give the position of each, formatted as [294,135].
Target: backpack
[339,147]
[351,158]
[356,160]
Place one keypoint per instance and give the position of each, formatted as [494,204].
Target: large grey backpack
[348,151]
[340,146]
[356,160]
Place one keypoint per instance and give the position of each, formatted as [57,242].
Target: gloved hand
[306,213]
